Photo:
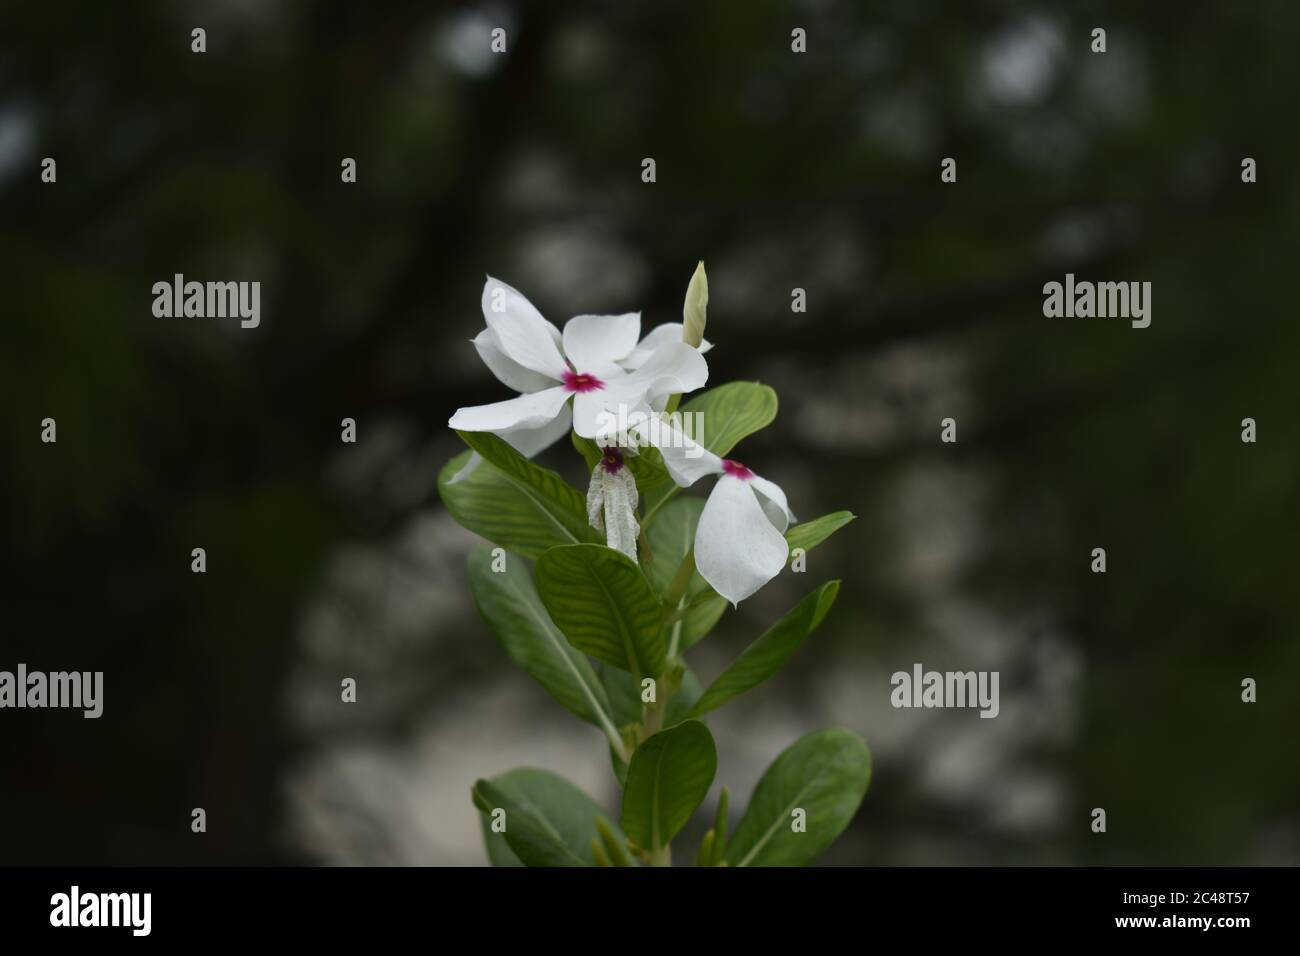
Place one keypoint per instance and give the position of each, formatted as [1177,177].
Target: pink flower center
[613,461]
[736,470]
[581,382]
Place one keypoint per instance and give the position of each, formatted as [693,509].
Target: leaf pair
[546,821]
[803,802]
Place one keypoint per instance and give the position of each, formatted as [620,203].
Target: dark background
[818,171]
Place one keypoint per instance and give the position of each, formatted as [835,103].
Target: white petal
[595,414]
[772,498]
[594,343]
[533,410]
[532,441]
[687,460]
[659,335]
[509,372]
[520,331]
[736,548]
[674,367]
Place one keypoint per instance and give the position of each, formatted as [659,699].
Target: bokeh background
[818,171]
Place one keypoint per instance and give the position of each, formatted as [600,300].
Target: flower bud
[695,309]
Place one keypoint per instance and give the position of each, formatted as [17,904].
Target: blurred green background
[818,171]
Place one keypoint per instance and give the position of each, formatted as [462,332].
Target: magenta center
[581,382]
[736,470]
[613,460]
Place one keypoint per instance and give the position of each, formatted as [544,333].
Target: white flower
[549,368]
[611,502]
[740,541]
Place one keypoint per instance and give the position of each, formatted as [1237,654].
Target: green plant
[604,625]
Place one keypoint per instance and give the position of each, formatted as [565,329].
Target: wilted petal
[594,343]
[772,498]
[534,410]
[659,335]
[519,330]
[736,548]
[611,507]
[509,372]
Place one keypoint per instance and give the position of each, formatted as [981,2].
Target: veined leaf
[509,603]
[768,654]
[809,534]
[731,412]
[824,774]
[548,821]
[669,776]
[525,515]
[602,603]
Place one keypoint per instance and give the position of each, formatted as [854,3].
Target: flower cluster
[598,372]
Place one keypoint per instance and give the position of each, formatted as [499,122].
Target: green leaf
[601,602]
[549,821]
[555,497]
[768,654]
[809,534]
[509,603]
[526,516]
[668,778]
[732,412]
[825,774]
